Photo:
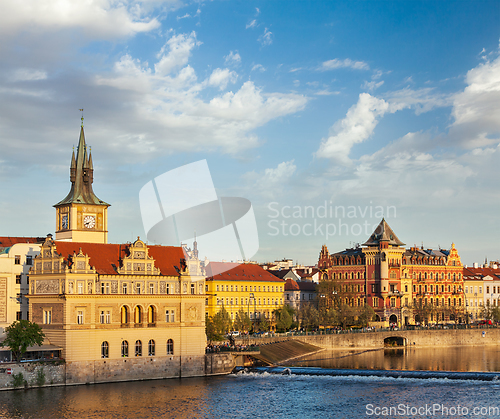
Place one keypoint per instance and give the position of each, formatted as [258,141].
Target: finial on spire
[81,110]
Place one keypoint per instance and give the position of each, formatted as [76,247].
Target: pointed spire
[81,176]
[383,233]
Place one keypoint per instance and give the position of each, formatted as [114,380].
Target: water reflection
[459,358]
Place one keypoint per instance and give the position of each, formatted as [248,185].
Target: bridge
[385,337]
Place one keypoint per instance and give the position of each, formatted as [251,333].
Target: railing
[227,348]
[370,330]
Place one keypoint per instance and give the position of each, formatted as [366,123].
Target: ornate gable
[138,261]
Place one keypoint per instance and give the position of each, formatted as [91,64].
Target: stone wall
[440,338]
[34,374]
[218,364]
[130,369]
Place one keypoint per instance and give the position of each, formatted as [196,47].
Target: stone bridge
[415,338]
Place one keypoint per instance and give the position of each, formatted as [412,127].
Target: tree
[20,335]
[308,316]
[365,315]
[242,322]
[218,325]
[284,318]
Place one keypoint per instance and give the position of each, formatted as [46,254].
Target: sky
[325,115]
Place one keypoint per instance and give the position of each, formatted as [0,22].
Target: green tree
[242,322]
[308,317]
[264,325]
[283,319]
[365,315]
[20,335]
[210,330]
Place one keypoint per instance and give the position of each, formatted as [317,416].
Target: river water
[250,395]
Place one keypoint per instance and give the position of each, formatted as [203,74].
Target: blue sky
[374,108]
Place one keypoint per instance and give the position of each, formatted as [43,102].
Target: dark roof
[223,271]
[383,233]
[105,258]
[279,273]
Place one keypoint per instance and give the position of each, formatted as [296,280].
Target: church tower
[82,216]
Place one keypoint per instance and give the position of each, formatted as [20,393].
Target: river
[250,395]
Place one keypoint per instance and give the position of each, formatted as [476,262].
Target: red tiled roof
[11,241]
[105,258]
[481,272]
[222,271]
[291,285]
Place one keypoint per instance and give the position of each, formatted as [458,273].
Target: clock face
[64,221]
[89,221]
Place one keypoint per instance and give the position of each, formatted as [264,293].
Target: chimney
[475,265]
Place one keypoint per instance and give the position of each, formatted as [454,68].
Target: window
[47,316]
[105,316]
[124,315]
[151,288]
[18,279]
[124,288]
[79,317]
[19,315]
[80,287]
[105,288]
[138,348]
[105,350]
[138,288]
[29,260]
[17,260]
[487,289]
[217,288]
[170,347]
[206,288]
[192,288]
[151,348]
[168,289]
[138,315]
[124,348]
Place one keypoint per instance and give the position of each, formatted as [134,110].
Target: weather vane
[81,110]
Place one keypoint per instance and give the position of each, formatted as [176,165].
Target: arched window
[151,348]
[170,347]
[124,348]
[124,315]
[138,314]
[138,348]
[151,314]
[105,350]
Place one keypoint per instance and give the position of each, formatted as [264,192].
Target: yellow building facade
[245,287]
[116,311]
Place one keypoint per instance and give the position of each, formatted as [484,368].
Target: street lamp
[254,307]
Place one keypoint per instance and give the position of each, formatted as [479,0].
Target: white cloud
[175,53]
[221,77]
[273,181]
[97,18]
[266,38]
[258,67]
[347,63]
[252,24]
[476,109]
[28,74]
[372,85]
[167,95]
[233,58]
[326,93]
[356,127]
